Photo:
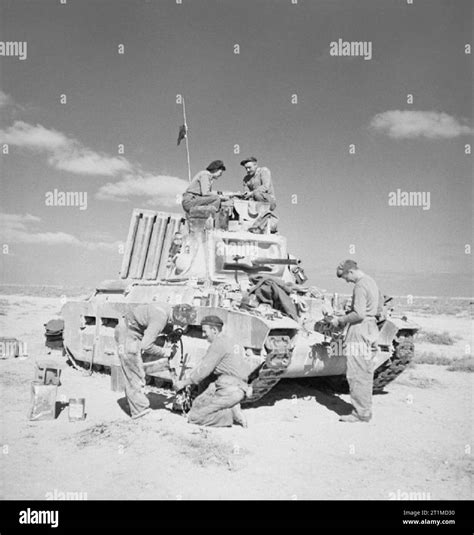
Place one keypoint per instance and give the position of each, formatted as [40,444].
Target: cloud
[102,245]
[399,124]
[5,100]
[64,153]
[88,162]
[17,219]
[68,154]
[160,189]
[19,228]
[37,137]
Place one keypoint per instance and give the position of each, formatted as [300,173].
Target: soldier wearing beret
[199,192]
[219,404]
[360,340]
[258,184]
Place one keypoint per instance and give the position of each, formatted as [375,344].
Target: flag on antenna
[183,131]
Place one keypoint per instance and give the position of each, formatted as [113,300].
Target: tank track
[402,355]
[277,361]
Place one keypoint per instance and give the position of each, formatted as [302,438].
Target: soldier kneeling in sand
[219,404]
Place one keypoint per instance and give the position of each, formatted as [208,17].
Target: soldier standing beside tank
[258,185]
[219,404]
[137,335]
[360,341]
[199,192]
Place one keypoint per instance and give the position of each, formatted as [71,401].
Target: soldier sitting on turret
[199,192]
[258,184]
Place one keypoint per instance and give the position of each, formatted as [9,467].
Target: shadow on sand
[157,401]
[318,388]
[324,390]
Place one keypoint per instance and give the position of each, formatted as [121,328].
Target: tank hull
[169,258]
[90,326]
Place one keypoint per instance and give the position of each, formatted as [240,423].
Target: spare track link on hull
[276,363]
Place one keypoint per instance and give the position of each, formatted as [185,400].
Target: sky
[339,133]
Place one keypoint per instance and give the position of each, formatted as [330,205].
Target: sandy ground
[418,445]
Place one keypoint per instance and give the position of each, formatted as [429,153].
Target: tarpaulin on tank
[54,327]
[274,292]
[264,220]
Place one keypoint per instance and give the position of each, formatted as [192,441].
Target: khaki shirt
[147,322]
[201,184]
[261,181]
[221,359]
[365,301]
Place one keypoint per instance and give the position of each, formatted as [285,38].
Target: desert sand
[418,445]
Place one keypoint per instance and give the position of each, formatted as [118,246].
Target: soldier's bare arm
[148,345]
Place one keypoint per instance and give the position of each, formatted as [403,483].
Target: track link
[404,351]
[277,361]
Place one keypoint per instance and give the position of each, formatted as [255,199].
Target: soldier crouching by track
[360,341]
[219,404]
[136,335]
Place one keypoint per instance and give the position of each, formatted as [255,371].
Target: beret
[247,160]
[214,321]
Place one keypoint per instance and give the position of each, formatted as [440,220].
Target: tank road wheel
[403,353]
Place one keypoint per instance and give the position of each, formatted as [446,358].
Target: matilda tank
[236,265]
